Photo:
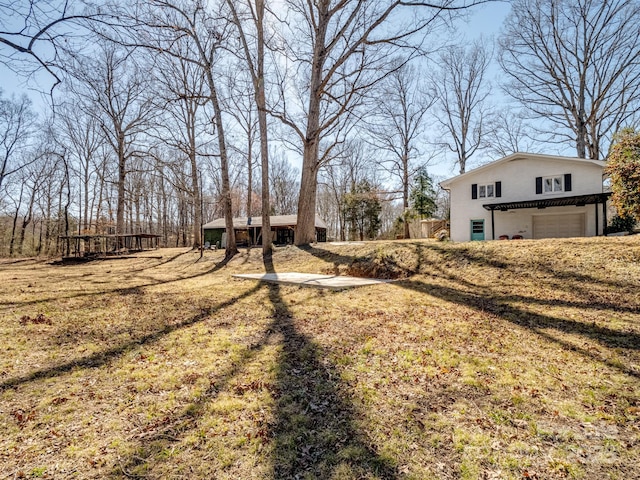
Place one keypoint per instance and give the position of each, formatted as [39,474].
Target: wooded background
[162,115]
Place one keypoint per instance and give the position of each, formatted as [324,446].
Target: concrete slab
[312,280]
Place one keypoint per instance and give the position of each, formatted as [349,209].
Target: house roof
[518,156]
[578,200]
[275,220]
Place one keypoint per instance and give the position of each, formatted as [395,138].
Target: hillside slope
[481,360]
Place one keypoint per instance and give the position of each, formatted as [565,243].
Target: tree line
[167,113]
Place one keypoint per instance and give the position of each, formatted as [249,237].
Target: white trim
[445,184]
[487,187]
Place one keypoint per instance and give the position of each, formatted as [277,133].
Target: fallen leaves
[39,319]
[23,416]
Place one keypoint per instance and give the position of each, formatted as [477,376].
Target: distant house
[249,230]
[527,195]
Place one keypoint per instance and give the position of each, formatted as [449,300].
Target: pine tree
[423,195]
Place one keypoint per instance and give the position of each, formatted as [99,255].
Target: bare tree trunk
[231,247]
[67,183]
[15,221]
[39,247]
[197,198]
[257,74]
[306,227]
[405,190]
[262,122]
[98,208]
[122,172]
[85,219]
[25,222]
[59,218]
[165,213]
[249,175]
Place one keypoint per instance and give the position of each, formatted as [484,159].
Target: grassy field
[496,360]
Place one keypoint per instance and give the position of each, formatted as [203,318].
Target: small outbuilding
[90,246]
[248,231]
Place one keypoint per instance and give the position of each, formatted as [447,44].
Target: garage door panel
[558,226]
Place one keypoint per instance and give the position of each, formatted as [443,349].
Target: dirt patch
[380,266]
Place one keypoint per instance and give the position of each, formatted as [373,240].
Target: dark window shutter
[567,182]
[498,189]
[538,185]
[474,191]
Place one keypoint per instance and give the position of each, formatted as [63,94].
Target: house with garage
[526,195]
[248,231]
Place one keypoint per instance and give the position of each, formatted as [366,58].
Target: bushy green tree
[623,167]
[362,210]
[423,195]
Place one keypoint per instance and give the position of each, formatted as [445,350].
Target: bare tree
[206,33]
[39,34]
[508,132]
[284,185]
[462,91]
[115,87]
[399,126]
[339,49]
[241,107]
[575,63]
[184,92]
[255,60]
[338,178]
[82,134]
[32,180]
[16,128]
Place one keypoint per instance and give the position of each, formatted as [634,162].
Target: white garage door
[558,226]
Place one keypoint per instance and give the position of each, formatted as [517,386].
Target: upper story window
[552,184]
[487,190]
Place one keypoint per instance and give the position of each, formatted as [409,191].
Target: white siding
[518,181]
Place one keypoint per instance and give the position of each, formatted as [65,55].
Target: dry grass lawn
[496,360]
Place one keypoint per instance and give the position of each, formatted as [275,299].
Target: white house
[528,195]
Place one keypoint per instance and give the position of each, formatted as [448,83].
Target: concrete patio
[312,280]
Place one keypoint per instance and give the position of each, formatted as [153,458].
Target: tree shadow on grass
[314,435]
[169,430]
[150,282]
[487,301]
[538,323]
[103,357]
[424,266]
[571,281]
